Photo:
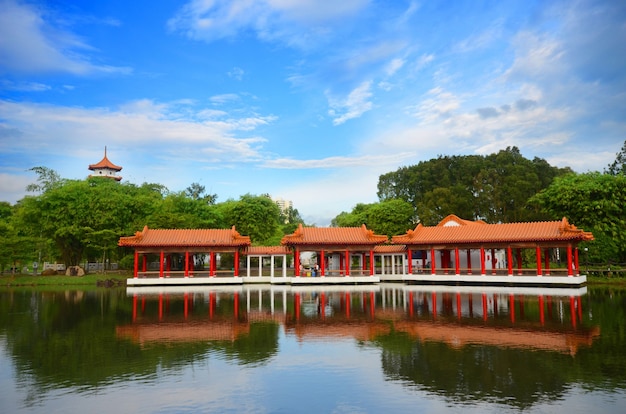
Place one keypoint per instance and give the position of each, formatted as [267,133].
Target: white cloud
[31,43]
[296,23]
[353,106]
[133,125]
[337,161]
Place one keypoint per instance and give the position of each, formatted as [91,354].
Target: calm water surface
[268,349]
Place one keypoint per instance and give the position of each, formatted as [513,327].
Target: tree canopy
[493,188]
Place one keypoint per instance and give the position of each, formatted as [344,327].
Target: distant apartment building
[284,205]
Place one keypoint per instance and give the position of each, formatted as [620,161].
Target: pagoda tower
[105,168]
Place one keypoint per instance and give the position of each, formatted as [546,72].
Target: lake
[272,349]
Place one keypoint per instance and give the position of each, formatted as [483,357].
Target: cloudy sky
[306,100]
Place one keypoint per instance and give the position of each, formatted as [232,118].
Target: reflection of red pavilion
[456,319]
[105,168]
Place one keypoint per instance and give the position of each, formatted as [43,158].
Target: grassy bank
[94,279]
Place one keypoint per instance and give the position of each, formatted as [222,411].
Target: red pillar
[371,262]
[364,262]
[347,260]
[485,306]
[144,265]
[469,261]
[212,266]
[296,263]
[160,306]
[162,257]
[433,261]
[569,260]
[509,260]
[409,254]
[547,254]
[538,255]
[187,264]
[136,264]
[457,262]
[322,263]
[482,261]
[237,263]
[519,261]
[493,261]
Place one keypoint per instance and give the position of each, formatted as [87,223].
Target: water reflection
[526,318]
[518,348]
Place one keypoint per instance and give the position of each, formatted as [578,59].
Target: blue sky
[306,100]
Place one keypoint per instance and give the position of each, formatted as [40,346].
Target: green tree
[255,216]
[494,188]
[594,202]
[390,217]
[619,165]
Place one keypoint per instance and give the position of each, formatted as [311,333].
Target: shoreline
[112,280]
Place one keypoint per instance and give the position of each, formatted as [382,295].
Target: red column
[162,257]
[136,264]
[509,259]
[347,263]
[569,260]
[322,263]
[493,261]
[538,254]
[237,263]
[547,254]
[519,261]
[296,263]
[469,261]
[482,261]
[457,261]
[187,264]
[212,266]
[371,262]
[144,265]
[433,259]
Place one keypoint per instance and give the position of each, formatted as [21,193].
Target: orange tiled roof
[185,238]
[453,230]
[333,236]
[390,248]
[266,250]
[105,163]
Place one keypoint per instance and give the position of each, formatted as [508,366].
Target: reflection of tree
[260,344]
[67,339]
[509,376]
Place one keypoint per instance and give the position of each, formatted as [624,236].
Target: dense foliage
[71,221]
[493,188]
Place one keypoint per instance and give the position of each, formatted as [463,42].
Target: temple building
[105,168]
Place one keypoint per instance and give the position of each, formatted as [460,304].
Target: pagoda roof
[332,236]
[266,250]
[105,163]
[454,230]
[185,238]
